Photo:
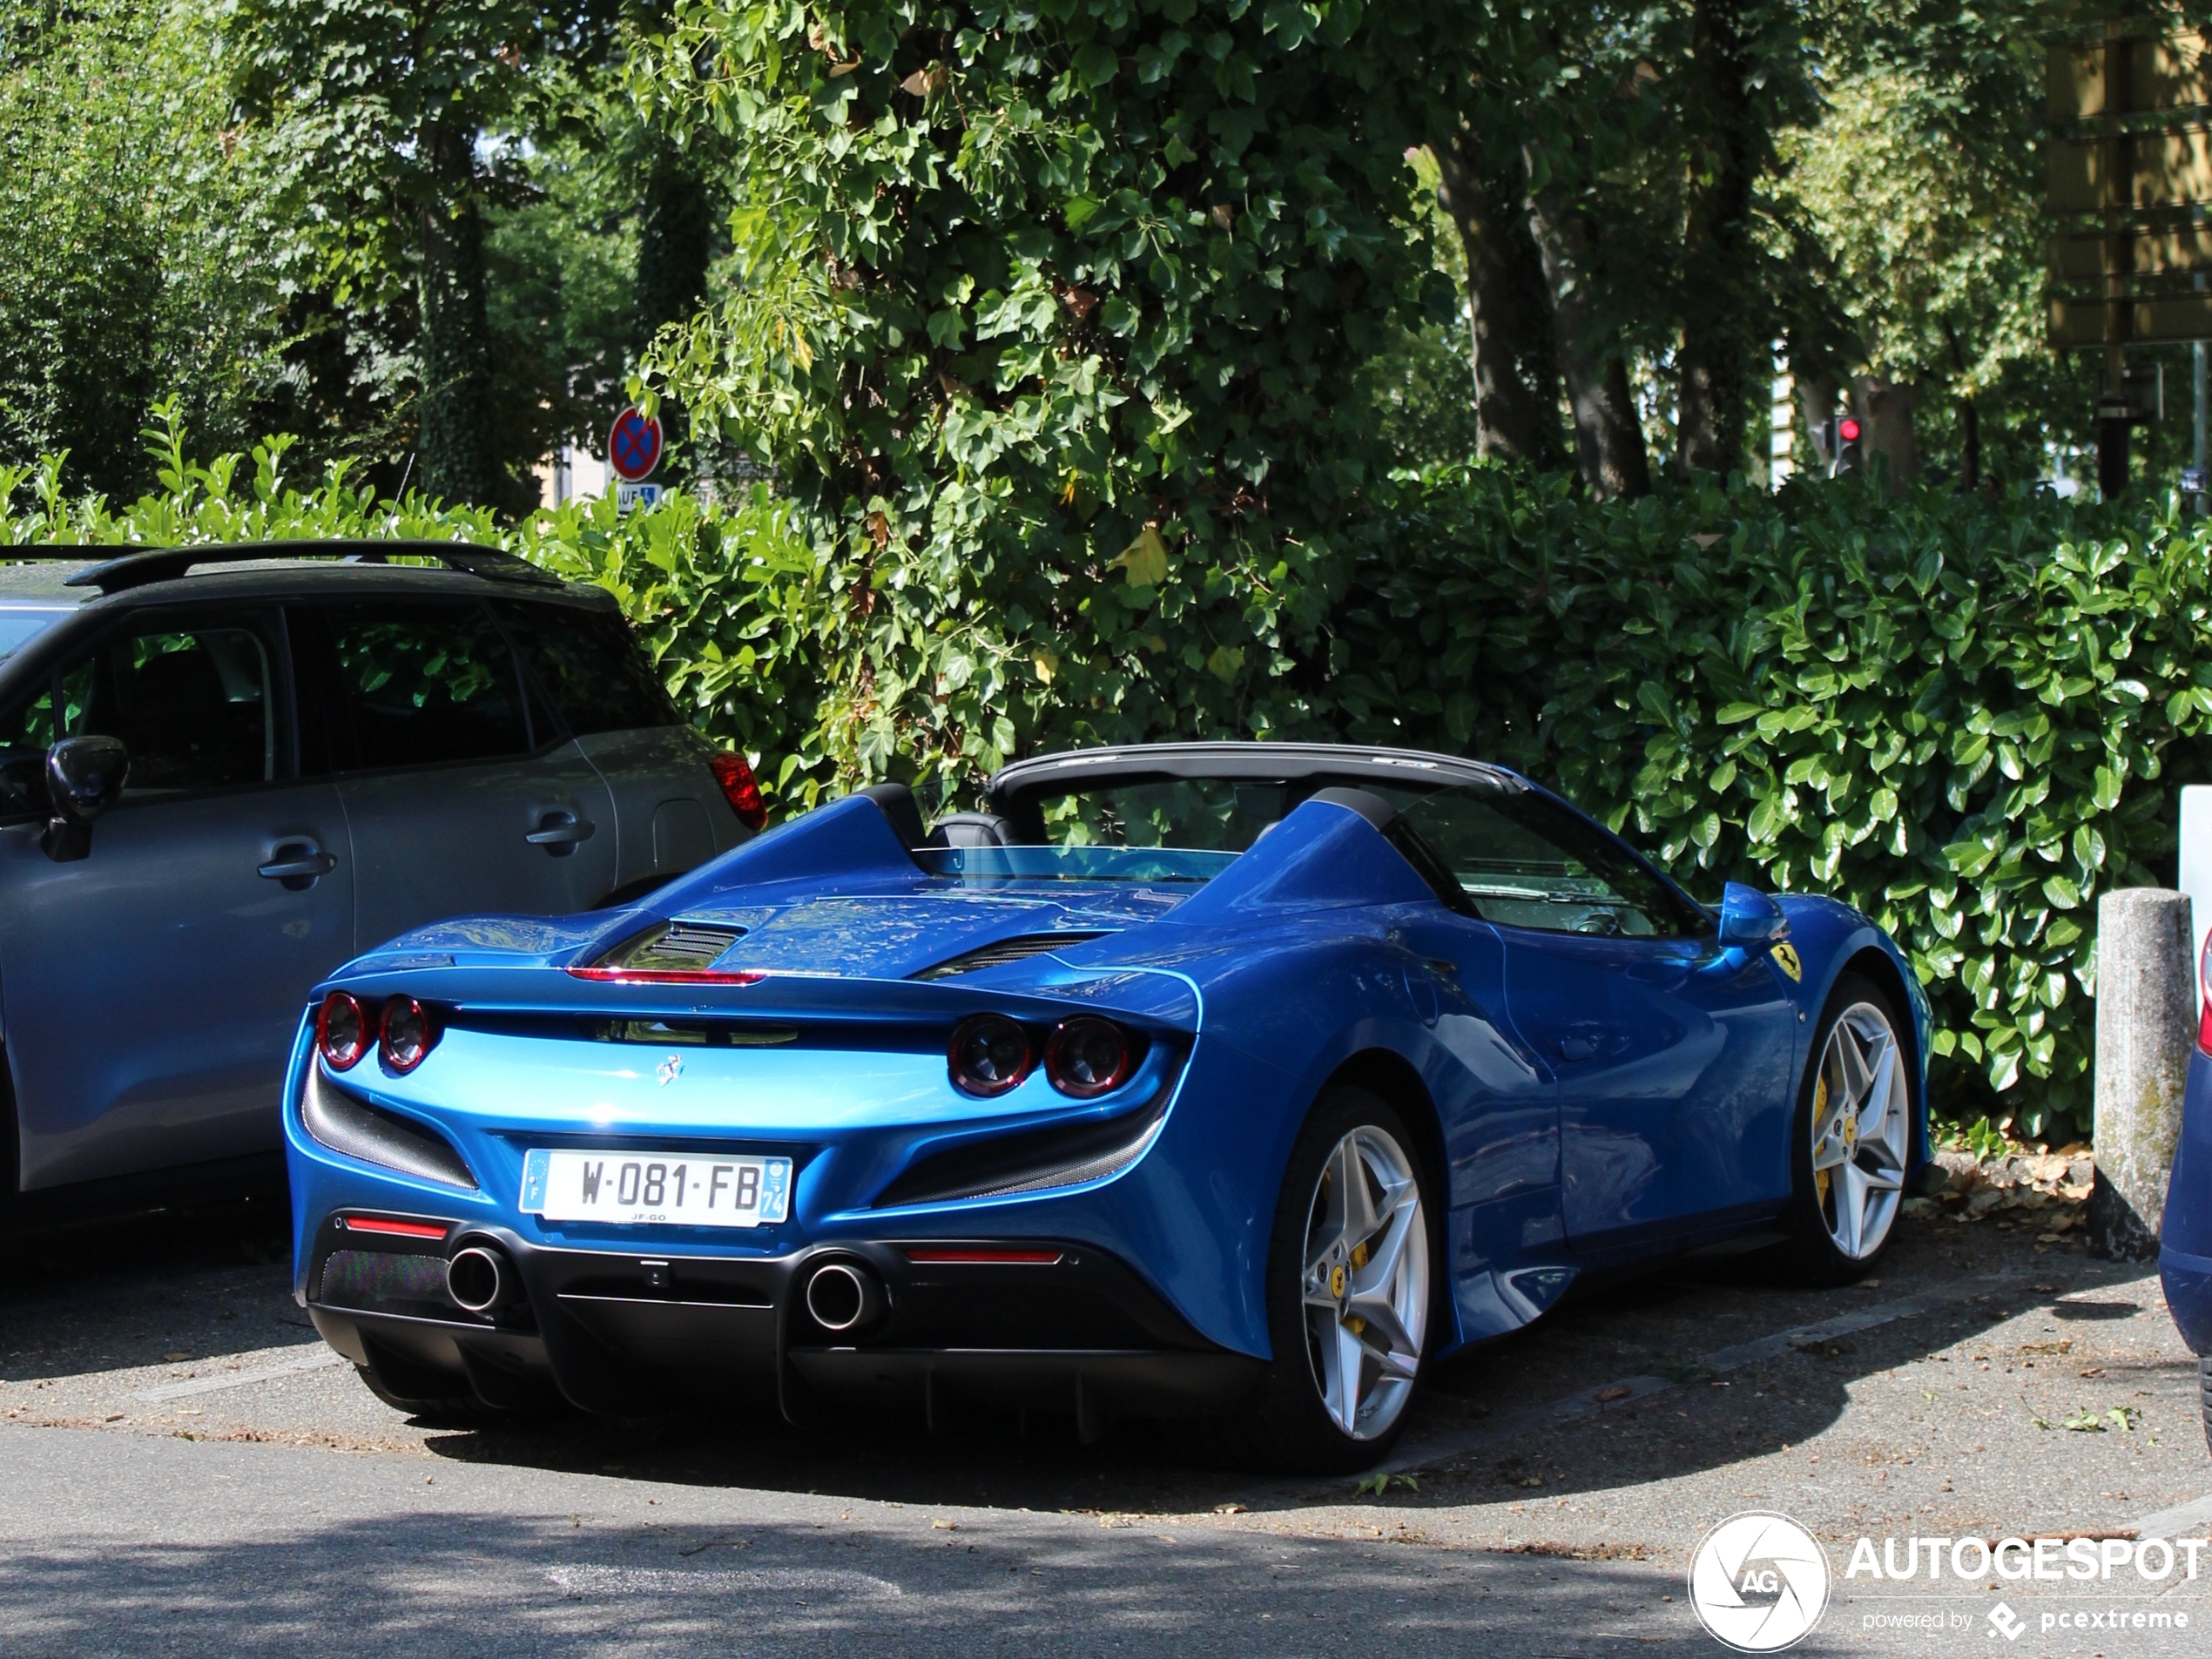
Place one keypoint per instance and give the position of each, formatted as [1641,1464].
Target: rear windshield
[1143,865]
[1212,814]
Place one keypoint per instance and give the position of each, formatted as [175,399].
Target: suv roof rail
[164,563]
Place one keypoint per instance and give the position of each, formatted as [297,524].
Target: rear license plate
[638,1188]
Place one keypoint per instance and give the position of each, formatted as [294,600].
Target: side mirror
[1751,918]
[84,777]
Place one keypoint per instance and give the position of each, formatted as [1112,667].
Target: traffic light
[1844,449]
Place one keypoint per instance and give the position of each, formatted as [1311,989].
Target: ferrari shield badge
[1785,958]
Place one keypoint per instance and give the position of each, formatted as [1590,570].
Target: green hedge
[1965,715]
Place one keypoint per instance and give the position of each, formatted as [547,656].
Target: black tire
[1812,1256]
[1284,1425]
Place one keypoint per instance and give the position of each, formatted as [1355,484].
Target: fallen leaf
[1619,1390]
[1228,1508]
[944,1526]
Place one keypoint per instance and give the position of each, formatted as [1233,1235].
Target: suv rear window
[596,673]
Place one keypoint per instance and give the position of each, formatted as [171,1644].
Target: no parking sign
[633,450]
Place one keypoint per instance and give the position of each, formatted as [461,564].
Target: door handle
[560,832]
[298,864]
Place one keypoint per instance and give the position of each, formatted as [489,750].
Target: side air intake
[1035,1160]
[344,1123]
[1005,950]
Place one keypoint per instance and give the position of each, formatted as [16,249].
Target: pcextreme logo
[1759,1582]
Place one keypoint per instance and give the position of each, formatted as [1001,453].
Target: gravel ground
[189,1470]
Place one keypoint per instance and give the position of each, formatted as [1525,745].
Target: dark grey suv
[221,776]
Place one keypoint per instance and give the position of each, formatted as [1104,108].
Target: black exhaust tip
[481,1279]
[845,1296]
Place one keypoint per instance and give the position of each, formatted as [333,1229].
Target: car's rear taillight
[990,1055]
[741,788]
[1089,1056]
[343,1031]
[2204,999]
[409,1033]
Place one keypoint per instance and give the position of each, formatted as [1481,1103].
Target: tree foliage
[1052,321]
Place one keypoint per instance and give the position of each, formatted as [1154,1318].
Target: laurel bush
[1967,716]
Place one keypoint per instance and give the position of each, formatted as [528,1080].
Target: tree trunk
[1884,409]
[1608,437]
[1716,341]
[455,445]
[675,245]
[1817,399]
[1516,380]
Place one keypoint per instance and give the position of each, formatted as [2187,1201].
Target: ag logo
[1759,1582]
[670,1069]
[1785,958]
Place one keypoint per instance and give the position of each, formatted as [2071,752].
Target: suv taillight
[2204,999]
[741,789]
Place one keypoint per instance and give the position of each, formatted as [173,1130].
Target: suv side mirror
[84,777]
[1750,918]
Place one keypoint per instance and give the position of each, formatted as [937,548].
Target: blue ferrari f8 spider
[1240,1080]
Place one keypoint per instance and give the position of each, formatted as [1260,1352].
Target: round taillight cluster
[402,1031]
[1089,1057]
[1083,1057]
[343,1031]
[990,1055]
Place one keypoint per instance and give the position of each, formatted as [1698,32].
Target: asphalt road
[184,1469]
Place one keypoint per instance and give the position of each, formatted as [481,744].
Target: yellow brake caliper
[1819,1106]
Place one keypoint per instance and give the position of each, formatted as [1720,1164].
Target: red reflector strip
[955,1255]
[667,976]
[396,1229]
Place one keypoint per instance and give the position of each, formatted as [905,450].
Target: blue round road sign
[633,447]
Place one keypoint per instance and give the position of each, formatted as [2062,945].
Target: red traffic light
[1848,429]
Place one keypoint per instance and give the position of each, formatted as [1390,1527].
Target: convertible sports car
[1234,1079]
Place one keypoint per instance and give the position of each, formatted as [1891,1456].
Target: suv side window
[197,701]
[598,675]
[414,683]
[1526,862]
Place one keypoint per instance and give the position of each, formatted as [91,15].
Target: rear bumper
[627,1334]
[2187,1280]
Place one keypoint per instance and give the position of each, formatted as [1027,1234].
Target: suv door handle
[559,832]
[297,864]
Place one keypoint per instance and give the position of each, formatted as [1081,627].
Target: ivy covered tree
[398,120]
[1051,303]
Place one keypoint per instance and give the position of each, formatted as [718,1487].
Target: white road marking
[239,1378]
[1418,1451]
[2183,1520]
[781,1581]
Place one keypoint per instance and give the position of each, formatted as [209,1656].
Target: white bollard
[2146,1027]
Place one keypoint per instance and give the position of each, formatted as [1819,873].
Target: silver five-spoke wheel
[1862,1130]
[1365,1284]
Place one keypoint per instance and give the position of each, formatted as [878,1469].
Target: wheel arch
[1386,1073]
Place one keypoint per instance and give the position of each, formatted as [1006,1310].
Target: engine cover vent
[1005,950]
